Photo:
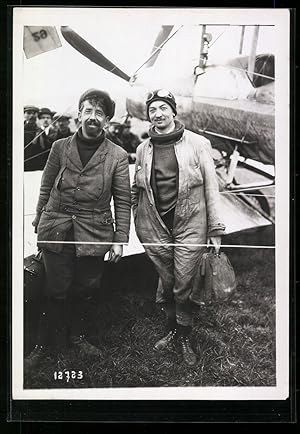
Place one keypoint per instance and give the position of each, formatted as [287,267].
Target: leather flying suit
[197,216]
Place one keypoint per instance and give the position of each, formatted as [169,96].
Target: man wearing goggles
[175,200]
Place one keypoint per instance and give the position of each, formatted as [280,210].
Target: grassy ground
[235,341]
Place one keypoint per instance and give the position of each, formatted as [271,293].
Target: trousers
[176,266]
[71,283]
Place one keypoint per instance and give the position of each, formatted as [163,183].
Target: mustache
[92,122]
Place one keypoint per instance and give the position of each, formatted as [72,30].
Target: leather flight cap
[161,95]
[108,103]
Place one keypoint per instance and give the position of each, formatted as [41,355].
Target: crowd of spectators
[42,127]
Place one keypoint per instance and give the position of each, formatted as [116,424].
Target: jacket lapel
[148,160]
[97,158]
[73,154]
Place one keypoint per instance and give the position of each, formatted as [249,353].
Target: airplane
[238,116]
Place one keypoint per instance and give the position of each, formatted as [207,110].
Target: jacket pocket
[194,176]
[195,184]
[106,218]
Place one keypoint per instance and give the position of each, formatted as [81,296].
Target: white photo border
[69,16]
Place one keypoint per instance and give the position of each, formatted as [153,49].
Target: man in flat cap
[45,116]
[62,122]
[75,225]
[175,199]
[34,143]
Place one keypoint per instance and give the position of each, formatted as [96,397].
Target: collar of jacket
[97,158]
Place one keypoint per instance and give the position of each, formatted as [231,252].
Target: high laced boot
[189,357]
[84,347]
[168,341]
[34,359]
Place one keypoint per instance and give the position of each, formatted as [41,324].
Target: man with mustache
[75,225]
[175,200]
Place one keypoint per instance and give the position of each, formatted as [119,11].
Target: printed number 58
[42,34]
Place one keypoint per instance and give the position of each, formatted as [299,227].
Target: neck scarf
[168,138]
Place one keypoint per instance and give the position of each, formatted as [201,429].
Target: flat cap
[61,116]
[107,103]
[45,111]
[31,108]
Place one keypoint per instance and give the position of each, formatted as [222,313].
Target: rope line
[158,49]
[158,244]
[36,155]
[246,72]
[52,123]
[241,69]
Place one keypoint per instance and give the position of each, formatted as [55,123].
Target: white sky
[56,79]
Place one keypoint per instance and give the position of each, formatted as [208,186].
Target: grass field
[235,341]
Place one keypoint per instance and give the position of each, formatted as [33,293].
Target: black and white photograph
[150,203]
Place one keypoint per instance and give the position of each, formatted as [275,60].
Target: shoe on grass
[189,357]
[167,342]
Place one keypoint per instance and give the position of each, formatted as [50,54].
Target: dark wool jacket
[35,142]
[80,197]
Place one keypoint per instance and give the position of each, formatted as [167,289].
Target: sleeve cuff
[120,238]
[216,233]
[216,230]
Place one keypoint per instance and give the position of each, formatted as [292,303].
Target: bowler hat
[161,95]
[108,104]
[31,108]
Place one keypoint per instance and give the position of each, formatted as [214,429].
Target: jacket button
[73,216]
[78,188]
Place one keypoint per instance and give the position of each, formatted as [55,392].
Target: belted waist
[73,208]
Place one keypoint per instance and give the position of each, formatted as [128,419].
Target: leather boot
[167,342]
[189,357]
[84,347]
